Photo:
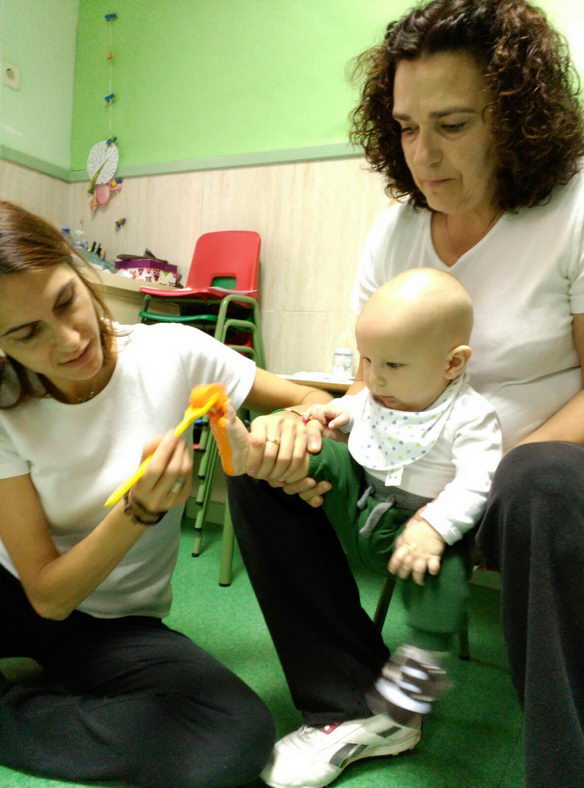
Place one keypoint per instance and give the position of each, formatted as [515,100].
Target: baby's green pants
[436,610]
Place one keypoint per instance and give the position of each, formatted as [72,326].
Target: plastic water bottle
[76,238]
[343,358]
[79,239]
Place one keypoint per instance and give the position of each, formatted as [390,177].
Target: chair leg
[383,602]
[204,443]
[227,545]
[205,469]
[203,436]
[204,500]
[383,606]
[463,641]
[197,542]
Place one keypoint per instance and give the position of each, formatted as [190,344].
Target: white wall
[39,37]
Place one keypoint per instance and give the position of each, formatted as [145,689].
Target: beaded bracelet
[129,512]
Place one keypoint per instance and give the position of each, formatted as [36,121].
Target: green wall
[215,78]
[206,82]
[39,37]
[199,82]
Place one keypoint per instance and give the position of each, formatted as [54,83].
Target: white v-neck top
[77,455]
[526,281]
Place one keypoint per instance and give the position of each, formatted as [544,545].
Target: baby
[415,473]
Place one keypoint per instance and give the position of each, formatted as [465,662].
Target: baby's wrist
[417,518]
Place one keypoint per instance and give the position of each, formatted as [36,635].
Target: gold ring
[177,486]
[273,440]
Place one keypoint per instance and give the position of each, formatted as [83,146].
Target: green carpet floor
[472,739]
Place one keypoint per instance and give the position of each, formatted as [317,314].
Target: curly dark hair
[29,243]
[535,117]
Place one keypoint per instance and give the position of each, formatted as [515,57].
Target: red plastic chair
[223,263]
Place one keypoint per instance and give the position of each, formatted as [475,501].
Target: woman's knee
[246,744]
[196,746]
[235,752]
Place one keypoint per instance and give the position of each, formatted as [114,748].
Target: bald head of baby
[424,303]
[413,336]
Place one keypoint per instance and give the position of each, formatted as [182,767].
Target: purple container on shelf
[148,269]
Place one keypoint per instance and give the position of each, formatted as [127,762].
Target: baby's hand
[418,550]
[329,415]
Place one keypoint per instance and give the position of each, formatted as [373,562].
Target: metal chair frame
[383,606]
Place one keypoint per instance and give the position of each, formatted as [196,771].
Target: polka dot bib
[383,439]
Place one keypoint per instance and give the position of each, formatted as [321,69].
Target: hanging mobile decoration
[103,158]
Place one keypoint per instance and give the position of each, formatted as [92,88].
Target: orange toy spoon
[201,400]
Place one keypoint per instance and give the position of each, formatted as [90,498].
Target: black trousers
[329,648]
[126,700]
[533,530]
[331,651]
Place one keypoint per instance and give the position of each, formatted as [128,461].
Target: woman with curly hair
[469,108]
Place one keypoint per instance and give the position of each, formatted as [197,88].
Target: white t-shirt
[456,471]
[526,281]
[78,454]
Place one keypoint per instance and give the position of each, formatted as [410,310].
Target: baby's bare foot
[232,440]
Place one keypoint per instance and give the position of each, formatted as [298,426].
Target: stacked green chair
[254,349]
[223,263]
[221,298]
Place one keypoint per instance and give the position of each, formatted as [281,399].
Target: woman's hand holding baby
[277,447]
[418,550]
[325,420]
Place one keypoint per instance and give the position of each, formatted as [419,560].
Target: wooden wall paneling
[41,194]
[303,341]
[158,210]
[312,216]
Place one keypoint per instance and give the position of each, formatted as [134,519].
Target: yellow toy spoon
[201,400]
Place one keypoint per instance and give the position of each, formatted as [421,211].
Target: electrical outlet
[10,75]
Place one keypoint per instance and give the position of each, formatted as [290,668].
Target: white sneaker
[313,757]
